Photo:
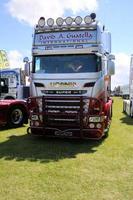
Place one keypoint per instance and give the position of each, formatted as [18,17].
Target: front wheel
[16,117]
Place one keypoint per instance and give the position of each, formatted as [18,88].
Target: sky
[18,18]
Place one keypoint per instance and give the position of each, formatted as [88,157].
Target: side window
[99,64]
[37,64]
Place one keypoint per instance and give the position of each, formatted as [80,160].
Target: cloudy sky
[18,17]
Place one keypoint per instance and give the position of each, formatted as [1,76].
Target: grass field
[55,169]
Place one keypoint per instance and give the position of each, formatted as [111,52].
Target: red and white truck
[70,78]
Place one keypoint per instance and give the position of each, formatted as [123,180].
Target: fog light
[99,125]
[91,125]
[36,123]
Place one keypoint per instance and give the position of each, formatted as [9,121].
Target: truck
[70,80]
[13,84]
[124,91]
[128,103]
[13,113]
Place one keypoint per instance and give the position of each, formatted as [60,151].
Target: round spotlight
[92,125]
[87,19]
[93,15]
[59,21]
[69,21]
[41,22]
[99,125]
[50,22]
[78,20]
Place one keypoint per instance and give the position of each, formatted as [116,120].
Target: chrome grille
[62,112]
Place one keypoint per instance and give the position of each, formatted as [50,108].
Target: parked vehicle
[13,84]
[71,78]
[13,113]
[125,91]
[128,103]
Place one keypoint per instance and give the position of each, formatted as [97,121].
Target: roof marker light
[59,21]
[50,22]
[78,20]
[69,21]
[41,22]
[87,19]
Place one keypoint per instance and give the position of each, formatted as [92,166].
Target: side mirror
[26,59]
[26,66]
[111,68]
[112,57]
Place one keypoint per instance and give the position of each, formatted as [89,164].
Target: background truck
[70,78]
[124,91]
[13,113]
[13,84]
[128,103]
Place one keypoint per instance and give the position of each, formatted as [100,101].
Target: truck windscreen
[67,63]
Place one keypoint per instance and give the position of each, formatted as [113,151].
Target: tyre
[16,116]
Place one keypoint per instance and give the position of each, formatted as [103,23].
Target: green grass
[55,169]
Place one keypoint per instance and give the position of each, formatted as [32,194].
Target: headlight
[34,117]
[94,119]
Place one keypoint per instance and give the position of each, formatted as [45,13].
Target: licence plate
[63,133]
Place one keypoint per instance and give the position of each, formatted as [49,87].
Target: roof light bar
[68,21]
